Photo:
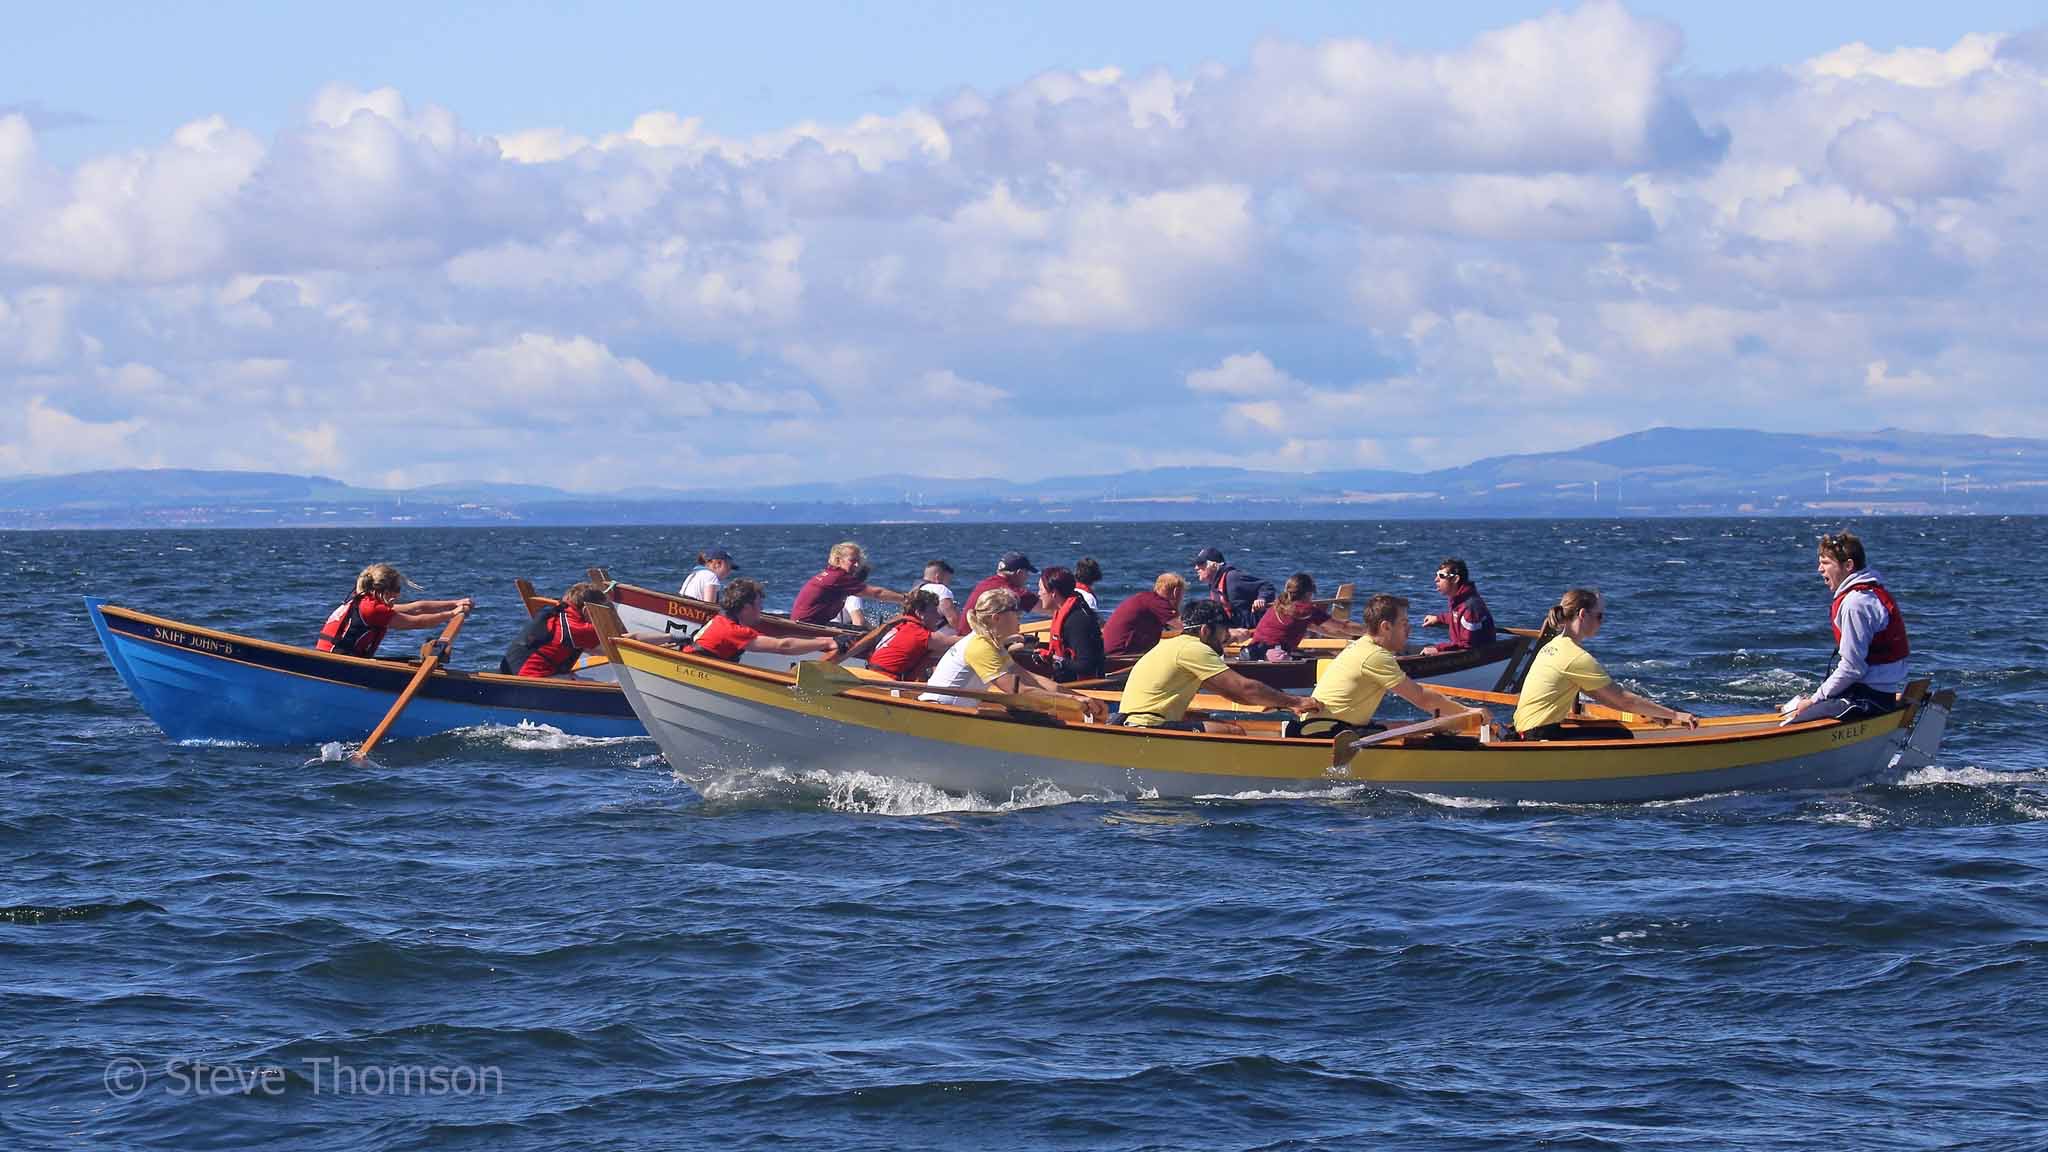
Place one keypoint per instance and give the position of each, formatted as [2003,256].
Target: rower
[914,644]
[1351,686]
[1013,572]
[1165,680]
[1087,574]
[1563,669]
[736,629]
[358,626]
[1291,618]
[845,574]
[552,640]
[938,580]
[1138,623]
[982,662]
[1074,642]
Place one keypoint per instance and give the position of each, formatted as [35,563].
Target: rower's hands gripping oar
[1347,744]
[431,654]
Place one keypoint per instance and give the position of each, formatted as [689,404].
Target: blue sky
[125,73]
[403,244]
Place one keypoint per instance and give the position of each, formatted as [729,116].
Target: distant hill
[1661,471]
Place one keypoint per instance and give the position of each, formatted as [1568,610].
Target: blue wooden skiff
[202,684]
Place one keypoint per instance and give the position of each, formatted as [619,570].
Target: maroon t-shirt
[1026,601]
[823,595]
[1287,633]
[1135,626]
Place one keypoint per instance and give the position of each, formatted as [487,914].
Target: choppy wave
[866,793]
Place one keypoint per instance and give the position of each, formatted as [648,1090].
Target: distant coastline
[1662,472]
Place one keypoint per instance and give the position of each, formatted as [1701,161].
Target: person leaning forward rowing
[1291,618]
[844,575]
[550,643]
[1563,669]
[1870,639]
[358,626]
[736,629]
[1351,686]
[983,662]
[1166,680]
[914,644]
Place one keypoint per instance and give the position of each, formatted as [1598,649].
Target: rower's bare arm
[407,617]
[791,645]
[1245,690]
[1342,628]
[1615,696]
[1431,702]
[881,593]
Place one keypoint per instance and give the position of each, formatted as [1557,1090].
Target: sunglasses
[1447,575]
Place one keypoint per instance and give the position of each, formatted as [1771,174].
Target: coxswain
[713,569]
[1242,594]
[1166,680]
[550,643]
[1870,638]
[1465,615]
[736,629]
[358,626]
[1563,668]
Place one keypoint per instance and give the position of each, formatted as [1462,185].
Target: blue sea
[507,938]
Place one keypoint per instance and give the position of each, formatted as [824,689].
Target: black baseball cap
[1016,562]
[1209,556]
[721,554]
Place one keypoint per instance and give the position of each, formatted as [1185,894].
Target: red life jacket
[545,646]
[346,631]
[1056,636]
[1889,645]
[724,638]
[902,650]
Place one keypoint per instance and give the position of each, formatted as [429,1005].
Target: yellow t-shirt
[1352,685]
[1556,677]
[1163,680]
[973,664]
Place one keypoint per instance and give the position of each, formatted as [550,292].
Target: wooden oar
[530,597]
[1347,744]
[431,655]
[818,678]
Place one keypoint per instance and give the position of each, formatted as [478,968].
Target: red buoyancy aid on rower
[1889,645]
[548,644]
[1056,636]
[903,650]
[348,629]
[724,638]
